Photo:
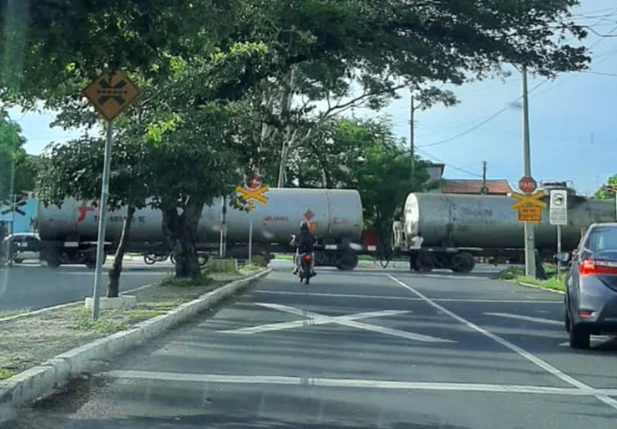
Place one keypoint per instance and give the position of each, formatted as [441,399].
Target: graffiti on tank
[276,219]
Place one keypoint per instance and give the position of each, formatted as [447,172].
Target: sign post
[558,215]
[250,194]
[528,186]
[110,95]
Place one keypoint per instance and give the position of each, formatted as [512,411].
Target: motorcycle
[305,273]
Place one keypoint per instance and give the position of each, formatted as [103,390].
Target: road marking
[315,319]
[401,298]
[528,318]
[521,352]
[354,383]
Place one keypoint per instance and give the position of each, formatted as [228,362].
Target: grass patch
[517,275]
[4,374]
[103,325]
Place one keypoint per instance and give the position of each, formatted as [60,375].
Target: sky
[573,126]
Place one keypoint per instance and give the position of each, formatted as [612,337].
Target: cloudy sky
[573,120]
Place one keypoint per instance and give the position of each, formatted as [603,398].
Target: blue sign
[23,212]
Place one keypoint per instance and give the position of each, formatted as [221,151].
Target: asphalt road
[361,349]
[30,286]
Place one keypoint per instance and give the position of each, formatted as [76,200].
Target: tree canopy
[226,86]
[13,157]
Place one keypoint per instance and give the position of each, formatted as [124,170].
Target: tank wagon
[68,233]
[457,228]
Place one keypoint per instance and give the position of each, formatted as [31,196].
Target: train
[459,228]
[68,233]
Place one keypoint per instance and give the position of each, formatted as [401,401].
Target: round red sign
[527,185]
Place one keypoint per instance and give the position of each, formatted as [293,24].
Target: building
[466,186]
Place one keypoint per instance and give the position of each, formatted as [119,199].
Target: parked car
[591,286]
[23,245]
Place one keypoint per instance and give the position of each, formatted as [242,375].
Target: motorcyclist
[304,243]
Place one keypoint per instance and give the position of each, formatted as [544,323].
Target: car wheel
[579,337]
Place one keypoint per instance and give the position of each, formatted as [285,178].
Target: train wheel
[172,258]
[424,263]
[202,260]
[347,261]
[463,263]
[149,260]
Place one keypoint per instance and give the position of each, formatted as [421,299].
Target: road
[30,286]
[362,350]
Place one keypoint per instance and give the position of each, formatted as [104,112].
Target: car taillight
[591,267]
[307,258]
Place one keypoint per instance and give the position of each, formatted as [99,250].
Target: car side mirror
[563,257]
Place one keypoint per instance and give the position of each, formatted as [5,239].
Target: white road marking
[528,318]
[521,352]
[354,383]
[314,319]
[401,298]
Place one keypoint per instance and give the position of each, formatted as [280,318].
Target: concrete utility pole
[530,259]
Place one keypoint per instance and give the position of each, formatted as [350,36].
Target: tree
[47,44]
[605,192]
[13,158]
[74,169]
[384,45]
[363,155]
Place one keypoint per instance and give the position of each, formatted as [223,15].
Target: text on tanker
[119,219]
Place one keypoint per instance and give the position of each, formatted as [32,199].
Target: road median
[43,351]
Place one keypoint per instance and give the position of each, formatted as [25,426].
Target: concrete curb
[539,287]
[62,306]
[42,380]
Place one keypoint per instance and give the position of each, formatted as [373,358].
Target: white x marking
[315,319]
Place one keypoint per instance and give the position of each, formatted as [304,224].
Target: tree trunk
[113,286]
[181,233]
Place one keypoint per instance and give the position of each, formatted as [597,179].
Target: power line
[434,158]
[499,112]
[490,118]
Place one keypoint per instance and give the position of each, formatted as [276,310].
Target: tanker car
[457,228]
[68,233]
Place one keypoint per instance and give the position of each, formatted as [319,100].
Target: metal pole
[13,196]
[100,242]
[223,249]
[412,135]
[250,261]
[530,259]
[558,250]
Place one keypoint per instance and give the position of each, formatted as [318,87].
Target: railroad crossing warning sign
[529,207]
[110,95]
[253,194]
[529,200]
[530,214]
[528,185]
[14,207]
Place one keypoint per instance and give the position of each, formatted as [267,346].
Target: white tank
[485,221]
[336,213]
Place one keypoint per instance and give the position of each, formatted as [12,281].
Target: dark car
[591,286]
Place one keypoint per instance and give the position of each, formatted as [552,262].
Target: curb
[539,287]
[61,306]
[42,380]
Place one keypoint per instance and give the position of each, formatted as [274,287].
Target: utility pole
[484,189]
[530,257]
[412,126]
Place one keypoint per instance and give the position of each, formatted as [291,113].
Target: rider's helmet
[304,227]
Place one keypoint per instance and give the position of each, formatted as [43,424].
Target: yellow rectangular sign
[530,214]
[528,200]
